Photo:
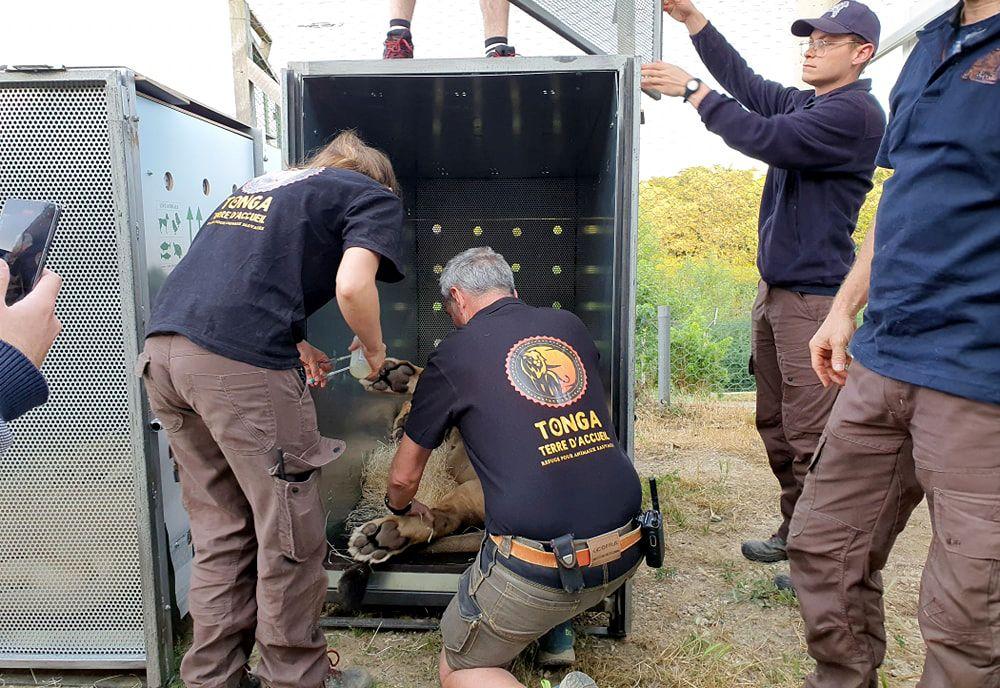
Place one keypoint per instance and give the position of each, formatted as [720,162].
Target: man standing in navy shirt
[820,145]
[920,413]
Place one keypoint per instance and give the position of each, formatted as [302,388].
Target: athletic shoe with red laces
[398,47]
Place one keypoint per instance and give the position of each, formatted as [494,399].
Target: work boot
[765,551]
[502,51]
[577,679]
[555,649]
[784,582]
[248,679]
[351,677]
[398,46]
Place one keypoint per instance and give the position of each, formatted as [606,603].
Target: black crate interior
[525,163]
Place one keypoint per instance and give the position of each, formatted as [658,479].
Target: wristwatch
[398,512]
[691,87]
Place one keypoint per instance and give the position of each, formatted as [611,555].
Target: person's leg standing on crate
[227,371]
[399,40]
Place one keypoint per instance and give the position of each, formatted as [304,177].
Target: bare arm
[357,297]
[406,471]
[828,346]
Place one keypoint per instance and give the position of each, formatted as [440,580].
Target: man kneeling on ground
[522,385]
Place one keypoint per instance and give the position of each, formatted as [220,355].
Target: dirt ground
[709,618]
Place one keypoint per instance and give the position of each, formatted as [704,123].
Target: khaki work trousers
[792,404]
[259,540]
[889,444]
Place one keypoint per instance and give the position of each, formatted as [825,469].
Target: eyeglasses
[820,47]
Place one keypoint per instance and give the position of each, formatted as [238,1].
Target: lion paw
[394,377]
[378,540]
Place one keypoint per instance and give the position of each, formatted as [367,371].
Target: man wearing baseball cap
[820,144]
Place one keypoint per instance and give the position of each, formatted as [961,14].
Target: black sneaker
[765,551]
[502,51]
[784,582]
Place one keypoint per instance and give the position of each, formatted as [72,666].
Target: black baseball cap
[847,16]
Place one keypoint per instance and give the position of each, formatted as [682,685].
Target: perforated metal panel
[531,222]
[611,27]
[70,575]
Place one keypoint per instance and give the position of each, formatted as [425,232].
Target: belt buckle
[605,548]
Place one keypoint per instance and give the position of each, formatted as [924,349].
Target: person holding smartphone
[28,329]
[221,365]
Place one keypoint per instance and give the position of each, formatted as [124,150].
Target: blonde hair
[348,152]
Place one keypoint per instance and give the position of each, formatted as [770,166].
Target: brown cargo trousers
[792,404]
[259,541]
[887,445]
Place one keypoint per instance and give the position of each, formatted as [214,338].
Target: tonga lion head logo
[547,371]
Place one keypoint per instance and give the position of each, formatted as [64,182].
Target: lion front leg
[382,538]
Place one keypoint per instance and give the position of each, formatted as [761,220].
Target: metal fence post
[663,349]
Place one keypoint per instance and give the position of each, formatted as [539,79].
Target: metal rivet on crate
[436,229]
[557,230]
[517,231]
[556,269]
[477,230]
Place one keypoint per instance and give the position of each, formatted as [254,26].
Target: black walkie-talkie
[651,523]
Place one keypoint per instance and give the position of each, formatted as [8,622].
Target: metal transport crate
[94,551]
[536,157]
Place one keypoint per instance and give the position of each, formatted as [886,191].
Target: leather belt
[533,552]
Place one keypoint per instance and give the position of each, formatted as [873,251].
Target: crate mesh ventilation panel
[69,563]
[531,222]
[617,27]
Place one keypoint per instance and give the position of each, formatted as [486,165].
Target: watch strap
[688,91]
[398,512]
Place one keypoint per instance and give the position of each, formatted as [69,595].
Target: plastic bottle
[359,364]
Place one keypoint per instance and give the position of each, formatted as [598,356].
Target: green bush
[697,358]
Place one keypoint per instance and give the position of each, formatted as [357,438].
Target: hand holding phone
[27,229]
[30,325]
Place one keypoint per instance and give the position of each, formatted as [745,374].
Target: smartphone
[26,232]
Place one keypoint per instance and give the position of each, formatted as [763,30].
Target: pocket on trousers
[526,611]
[962,576]
[315,457]
[460,626]
[805,403]
[169,417]
[238,411]
[301,521]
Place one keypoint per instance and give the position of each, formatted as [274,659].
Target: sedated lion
[379,539]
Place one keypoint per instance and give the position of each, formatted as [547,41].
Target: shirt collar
[495,306]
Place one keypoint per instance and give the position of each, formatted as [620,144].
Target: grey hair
[477,271]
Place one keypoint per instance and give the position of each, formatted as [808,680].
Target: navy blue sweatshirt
[22,387]
[821,151]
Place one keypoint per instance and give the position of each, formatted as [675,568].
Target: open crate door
[535,157]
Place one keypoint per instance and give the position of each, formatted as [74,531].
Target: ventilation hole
[556,305]
[556,269]
[438,269]
[168,181]
[436,229]
[516,267]
[438,306]
[557,230]
[517,231]
[477,230]
[206,187]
